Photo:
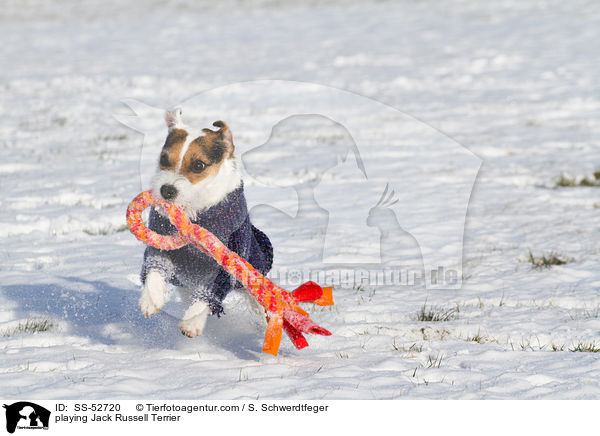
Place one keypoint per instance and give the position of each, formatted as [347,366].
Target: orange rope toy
[281,307]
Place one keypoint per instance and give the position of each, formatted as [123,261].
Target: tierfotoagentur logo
[358,192]
[24,415]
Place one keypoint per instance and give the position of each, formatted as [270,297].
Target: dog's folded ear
[173,118]
[223,135]
[224,132]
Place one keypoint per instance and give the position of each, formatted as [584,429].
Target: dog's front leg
[194,319]
[153,294]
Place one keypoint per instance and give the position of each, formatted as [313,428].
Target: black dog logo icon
[26,415]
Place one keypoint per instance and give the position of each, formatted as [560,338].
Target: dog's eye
[164,160]
[197,166]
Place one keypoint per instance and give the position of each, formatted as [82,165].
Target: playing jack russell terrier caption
[198,172]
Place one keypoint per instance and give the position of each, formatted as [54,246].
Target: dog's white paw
[194,319]
[153,294]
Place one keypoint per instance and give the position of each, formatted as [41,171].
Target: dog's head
[196,170]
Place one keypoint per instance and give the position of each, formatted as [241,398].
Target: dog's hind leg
[194,319]
[153,294]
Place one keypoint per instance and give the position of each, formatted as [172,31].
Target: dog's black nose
[168,192]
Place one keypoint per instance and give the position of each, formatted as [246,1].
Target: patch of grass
[365,293]
[360,288]
[586,314]
[583,347]
[429,333]
[435,314]
[30,326]
[481,339]
[566,181]
[242,376]
[526,345]
[443,333]
[414,348]
[569,181]
[316,308]
[546,260]
[434,362]
[476,338]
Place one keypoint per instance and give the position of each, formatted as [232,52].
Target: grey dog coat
[190,268]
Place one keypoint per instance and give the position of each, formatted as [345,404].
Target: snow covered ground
[516,83]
